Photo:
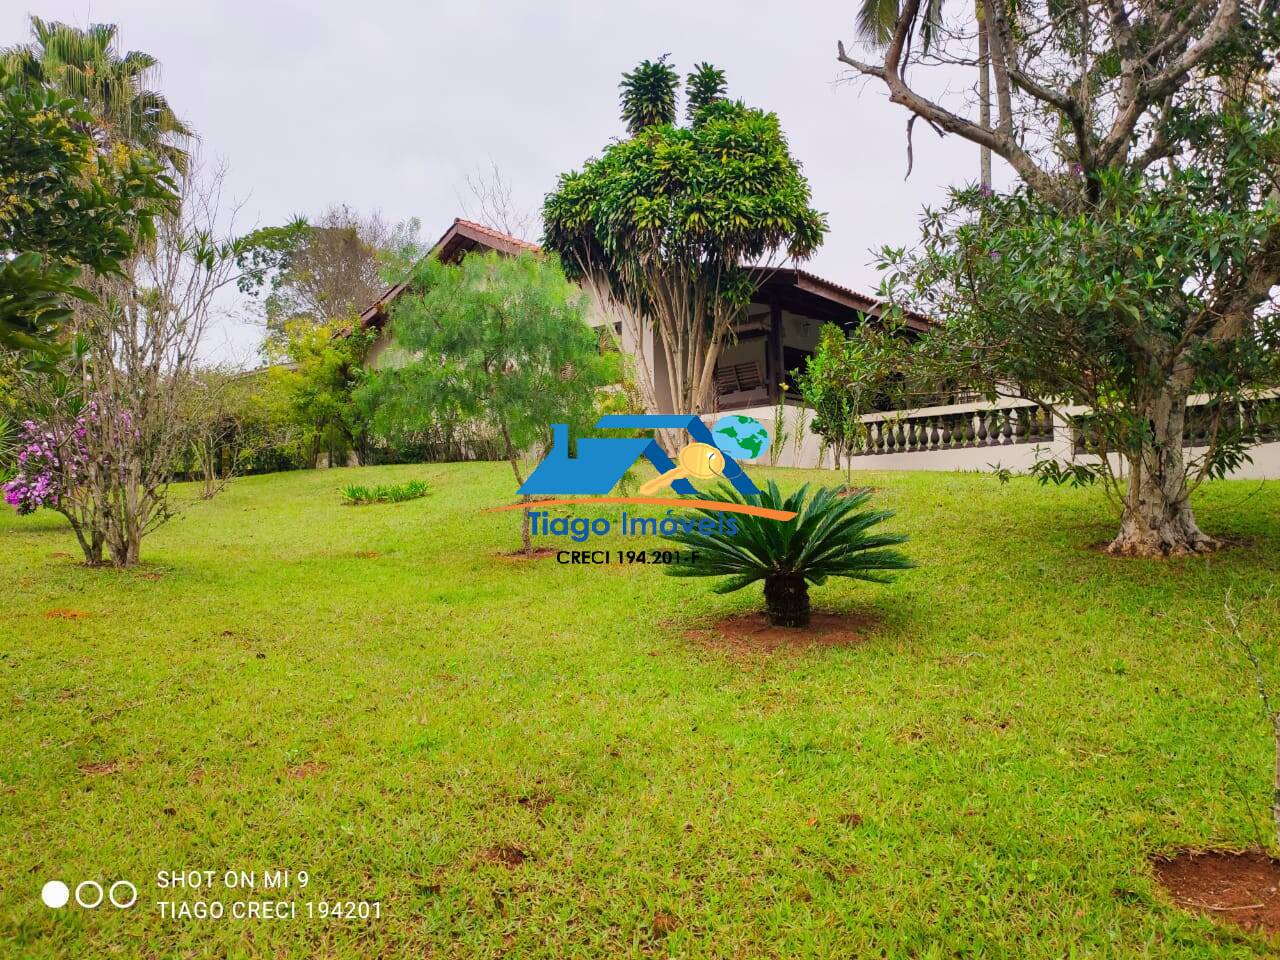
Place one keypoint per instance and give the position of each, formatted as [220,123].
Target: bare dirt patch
[367,554]
[1237,888]
[509,855]
[61,613]
[664,923]
[536,800]
[304,770]
[847,491]
[753,633]
[1223,545]
[102,768]
[539,553]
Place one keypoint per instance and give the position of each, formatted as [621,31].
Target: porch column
[774,371]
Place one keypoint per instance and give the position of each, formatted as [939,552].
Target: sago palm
[830,536]
[87,65]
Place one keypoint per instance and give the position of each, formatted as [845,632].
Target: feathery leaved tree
[500,340]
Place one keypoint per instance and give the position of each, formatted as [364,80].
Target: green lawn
[372,695]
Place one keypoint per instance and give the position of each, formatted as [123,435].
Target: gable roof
[794,283]
[463,236]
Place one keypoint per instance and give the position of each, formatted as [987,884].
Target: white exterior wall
[800,447]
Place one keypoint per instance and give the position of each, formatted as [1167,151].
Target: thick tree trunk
[1157,519]
[786,598]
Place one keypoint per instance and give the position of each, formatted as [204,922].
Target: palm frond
[828,537]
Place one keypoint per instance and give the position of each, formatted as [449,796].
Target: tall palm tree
[88,66]
[876,22]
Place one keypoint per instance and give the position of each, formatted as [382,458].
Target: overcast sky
[389,105]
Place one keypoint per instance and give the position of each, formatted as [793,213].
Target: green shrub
[828,537]
[354,494]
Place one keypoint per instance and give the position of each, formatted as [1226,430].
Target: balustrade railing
[952,431]
[1259,415]
[974,426]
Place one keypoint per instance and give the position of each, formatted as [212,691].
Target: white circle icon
[55,894]
[133,894]
[80,897]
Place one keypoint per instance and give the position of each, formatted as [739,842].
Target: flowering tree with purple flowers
[109,428]
[39,479]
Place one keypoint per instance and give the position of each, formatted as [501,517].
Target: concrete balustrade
[1009,434]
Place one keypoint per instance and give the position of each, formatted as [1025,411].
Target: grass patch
[537,760]
[357,494]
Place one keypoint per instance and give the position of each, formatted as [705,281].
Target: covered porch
[773,342]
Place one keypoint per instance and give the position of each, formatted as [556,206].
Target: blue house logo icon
[601,462]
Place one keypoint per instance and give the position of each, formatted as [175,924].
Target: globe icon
[743,438]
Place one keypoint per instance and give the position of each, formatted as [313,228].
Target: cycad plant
[828,537]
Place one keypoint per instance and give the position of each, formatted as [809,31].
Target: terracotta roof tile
[498,235]
[505,241]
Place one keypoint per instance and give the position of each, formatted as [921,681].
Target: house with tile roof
[771,343]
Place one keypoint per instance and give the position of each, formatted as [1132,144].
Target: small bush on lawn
[829,537]
[354,494]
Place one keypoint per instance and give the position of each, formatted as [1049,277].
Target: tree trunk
[984,93]
[1157,519]
[1275,781]
[90,540]
[786,599]
[513,457]
[526,540]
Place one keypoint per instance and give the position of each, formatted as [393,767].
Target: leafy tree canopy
[1134,263]
[326,270]
[649,95]
[704,85]
[669,221]
[321,370]
[848,377]
[65,206]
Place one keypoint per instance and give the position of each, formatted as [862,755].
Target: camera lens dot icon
[55,894]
